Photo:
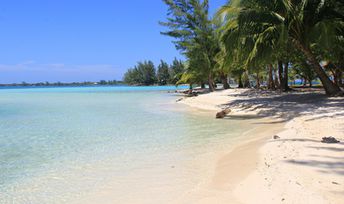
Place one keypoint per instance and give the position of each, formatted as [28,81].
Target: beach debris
[190,93]
[335,183]
[193,94]
[276,137]
[329,140]
[223,113]
[180,99]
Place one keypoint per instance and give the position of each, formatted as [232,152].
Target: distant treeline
[86,83]
[145,73]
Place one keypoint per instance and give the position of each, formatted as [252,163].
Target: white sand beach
[296,167]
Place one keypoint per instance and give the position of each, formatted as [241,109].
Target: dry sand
[297,168]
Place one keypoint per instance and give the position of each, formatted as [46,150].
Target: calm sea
[104,145]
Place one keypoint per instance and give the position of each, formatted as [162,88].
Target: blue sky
[75,40]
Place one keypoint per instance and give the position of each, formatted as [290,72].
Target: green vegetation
[145,73]
[189,23]
[163,74]
[53,84]
[257,41]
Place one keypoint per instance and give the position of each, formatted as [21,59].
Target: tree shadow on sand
[325,163]
[285,106]
[336,167]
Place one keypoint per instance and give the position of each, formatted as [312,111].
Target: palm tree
[252,45]
[272,24]
[306,19]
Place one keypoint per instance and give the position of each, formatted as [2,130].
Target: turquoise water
[70,145]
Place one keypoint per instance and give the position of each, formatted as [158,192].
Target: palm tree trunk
[202,85]
[338,75]
[331,88]
[271,84]
[283,76]
[190,87]
[277,82]
[257,80]
[280,75]
[246,80]
[240,84]
[211,83]
[224,81]
[286,77]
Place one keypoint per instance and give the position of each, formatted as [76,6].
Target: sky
[78,40]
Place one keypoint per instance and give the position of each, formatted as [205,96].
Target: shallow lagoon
[117,144]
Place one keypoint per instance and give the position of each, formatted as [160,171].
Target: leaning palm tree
[273,23]
[307,18]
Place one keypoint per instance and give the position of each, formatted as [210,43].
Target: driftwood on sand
[223,113]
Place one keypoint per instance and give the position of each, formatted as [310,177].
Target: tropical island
[250,111]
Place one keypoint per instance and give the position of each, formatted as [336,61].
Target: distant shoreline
[77,85]
[62,84]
